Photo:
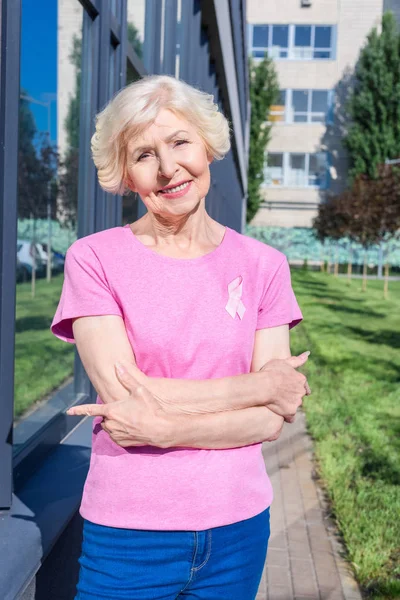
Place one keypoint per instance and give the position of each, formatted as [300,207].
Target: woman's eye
[143,156]
[180,142]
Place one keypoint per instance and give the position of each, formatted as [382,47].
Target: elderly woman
[176,501]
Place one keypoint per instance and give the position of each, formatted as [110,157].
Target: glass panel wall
[294,42]
[136,19]
[48,161]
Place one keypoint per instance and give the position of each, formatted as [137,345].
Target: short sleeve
[278,304]
[85,291]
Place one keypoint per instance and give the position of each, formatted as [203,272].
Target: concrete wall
[354,19]
[290,11]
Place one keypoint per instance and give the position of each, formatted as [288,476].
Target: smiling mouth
[176,189]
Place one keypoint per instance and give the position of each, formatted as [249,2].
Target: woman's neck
[188,238]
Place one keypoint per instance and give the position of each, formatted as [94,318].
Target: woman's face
[169,154]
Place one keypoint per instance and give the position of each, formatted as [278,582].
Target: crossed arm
[217,413]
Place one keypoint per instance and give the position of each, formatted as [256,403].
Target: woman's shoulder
[99,242]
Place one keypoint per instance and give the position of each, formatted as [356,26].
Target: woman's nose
[167,166]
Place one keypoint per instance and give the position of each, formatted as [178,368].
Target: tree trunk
[364,283]
[350,266]
[386,283]
[336,267]
[33,279]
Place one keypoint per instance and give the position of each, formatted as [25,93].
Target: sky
[39,59]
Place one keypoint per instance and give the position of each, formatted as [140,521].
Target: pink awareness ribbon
[235,304]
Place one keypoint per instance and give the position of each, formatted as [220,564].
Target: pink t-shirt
[185,318]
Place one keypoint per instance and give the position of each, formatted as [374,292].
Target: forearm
[189,396]
[231,429]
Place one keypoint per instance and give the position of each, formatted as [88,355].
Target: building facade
[315,45]
[60,63]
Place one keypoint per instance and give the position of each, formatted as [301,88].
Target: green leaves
[264,91]
[374,106]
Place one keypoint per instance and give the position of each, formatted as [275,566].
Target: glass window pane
[274,169]
[48,162]
[136,13]
[302,35]
[323,37]
[297,161]
[259,53]
[319,101]
[260,36]
[300,118]
[300,100]
[297,170]
[275,160]
[322,54]
[277,111]
[317,169]
[280,35]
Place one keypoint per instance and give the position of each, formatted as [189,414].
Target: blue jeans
[223,563]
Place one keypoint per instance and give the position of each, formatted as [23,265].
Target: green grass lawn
[42,362]
[353,415]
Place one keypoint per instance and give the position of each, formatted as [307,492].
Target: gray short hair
[135,107]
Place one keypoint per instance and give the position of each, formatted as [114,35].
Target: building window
[310,106]
[280,41]
[274,170]
[302,106]
[299,106]
[321,104]
[304,170]
[322,42]
[277,113]
[318,170]
[297,172]
[295,42]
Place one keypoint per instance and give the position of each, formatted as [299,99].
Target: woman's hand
[277,422]
[286,386]
[139,420]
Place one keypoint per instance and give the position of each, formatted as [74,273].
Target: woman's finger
[90,410]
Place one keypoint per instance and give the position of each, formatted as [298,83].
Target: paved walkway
[304,559]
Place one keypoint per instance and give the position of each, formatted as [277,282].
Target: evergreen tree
[37,166]
[264,92]
[374,105]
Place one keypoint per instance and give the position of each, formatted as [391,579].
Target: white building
[315,45]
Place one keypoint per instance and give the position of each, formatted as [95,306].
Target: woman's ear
[210,158]
[129,183]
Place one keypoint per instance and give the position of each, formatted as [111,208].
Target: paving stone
[280,593]
[278,558]
[277,576]
[303,577]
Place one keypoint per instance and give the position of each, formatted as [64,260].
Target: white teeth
[176,189]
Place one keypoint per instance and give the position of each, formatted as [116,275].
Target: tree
[264,92]
[37,167]
[373,209]
[332,221]
[374,107]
